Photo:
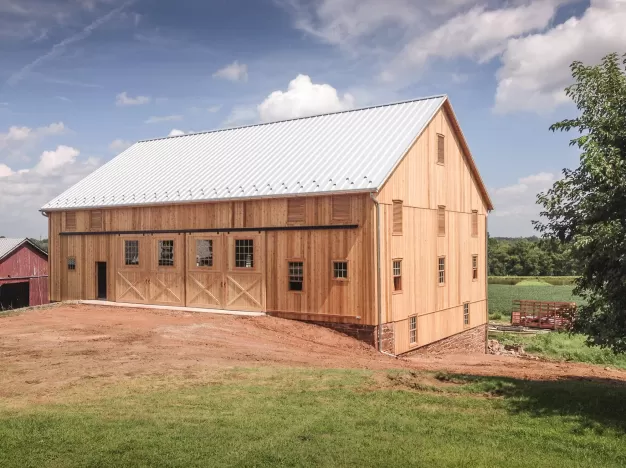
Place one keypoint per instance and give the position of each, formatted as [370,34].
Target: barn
[370,221]
[23,274]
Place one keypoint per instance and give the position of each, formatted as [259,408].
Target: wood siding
[424,185]
[27,264]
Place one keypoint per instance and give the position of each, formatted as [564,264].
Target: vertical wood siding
[27,264]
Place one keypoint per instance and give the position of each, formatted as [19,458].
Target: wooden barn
[23,274]
[371,221]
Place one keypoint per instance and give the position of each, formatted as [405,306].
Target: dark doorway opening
[14,295]
[101,267]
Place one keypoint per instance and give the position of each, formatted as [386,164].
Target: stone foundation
[473,340]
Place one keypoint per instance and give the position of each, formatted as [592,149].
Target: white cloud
[119,145]
[20,135]
[165,118]
[303,98]
[52,161]
[241,115]
[535,69]
[176,132]
[123,99]
[233,72]
[516,205]
[5,171]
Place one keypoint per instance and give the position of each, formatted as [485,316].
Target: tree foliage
[586,209]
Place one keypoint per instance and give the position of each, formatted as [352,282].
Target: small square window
[340,270]
[204,253]
[442,270]
[474,267]
[71,263]
[466,316]
[296,276]
[166,253]
[397,275]
[244,253]
[413,329]
[131,252]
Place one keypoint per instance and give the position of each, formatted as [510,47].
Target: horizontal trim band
[216,230]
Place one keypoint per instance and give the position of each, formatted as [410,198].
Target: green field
[501,296]
[330,418]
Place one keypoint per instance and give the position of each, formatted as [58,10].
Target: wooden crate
[543,314]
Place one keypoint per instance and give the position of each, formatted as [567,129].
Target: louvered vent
[441,149]
[296,210]
[70,221]
[441,221]
[341,209]
[397,216]
[475,223]
[95,220]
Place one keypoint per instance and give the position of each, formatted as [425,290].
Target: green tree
[586,210]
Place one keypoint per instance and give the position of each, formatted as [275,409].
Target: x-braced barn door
[245,272]
[166,280]
[205,271]
[131,278]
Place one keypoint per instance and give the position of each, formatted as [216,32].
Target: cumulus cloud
[176,132]
[17,134]
[303,98]
[164,118]
[516,205]
[532,79]
[233,72]
[123,100]
[241,115]
[5,171]
[118,145]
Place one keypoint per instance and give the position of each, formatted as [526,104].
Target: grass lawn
[303,417]
[501,296]
[564,347]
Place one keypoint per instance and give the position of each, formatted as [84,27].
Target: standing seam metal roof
[346,151]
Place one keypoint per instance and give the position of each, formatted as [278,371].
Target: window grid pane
[131,252]
[71,263]
[244,253]
[465,314]
[413,329]
[166,253]
[296,276]
[474,266]
[442,270]
[340,270]
[204,252]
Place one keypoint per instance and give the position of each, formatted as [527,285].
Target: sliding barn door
[205,271]
[166,280]
[245,272]
[131,279]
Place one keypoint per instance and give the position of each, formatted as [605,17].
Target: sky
[81,80]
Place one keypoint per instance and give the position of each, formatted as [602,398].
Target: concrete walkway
[162,307]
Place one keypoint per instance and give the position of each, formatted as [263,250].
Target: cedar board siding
[353,301]
[423,185]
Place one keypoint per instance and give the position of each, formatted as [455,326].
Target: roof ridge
[217,130]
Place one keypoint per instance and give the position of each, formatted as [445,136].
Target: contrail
[59,48]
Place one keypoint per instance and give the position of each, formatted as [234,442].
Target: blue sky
[82,79]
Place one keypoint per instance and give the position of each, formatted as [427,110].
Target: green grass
[553,280]
[564,347]
[501,296]
[300,417]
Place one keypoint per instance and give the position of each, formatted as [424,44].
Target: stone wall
[469,341]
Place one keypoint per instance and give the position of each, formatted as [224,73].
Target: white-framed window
[466,314]
[397,275]
[413,329]
[441,269]
[296,276]
[474,267]
[340,270]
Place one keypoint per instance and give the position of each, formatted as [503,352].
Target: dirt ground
[46,350]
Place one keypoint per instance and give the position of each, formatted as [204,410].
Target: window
[474,267]
[131,252]
[71,263]
[474,223]
[244,253]
[340,208]
[413,329]
[441,220]
[466,317]
[70,221]
[166,253]
[296,209]
[95,220]
[397,217]
[397,275]
[340,270]
[441,149]
[296,276]
[204,253]
[442,270]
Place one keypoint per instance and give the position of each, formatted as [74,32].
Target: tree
[586,209]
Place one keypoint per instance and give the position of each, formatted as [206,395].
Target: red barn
[23,274]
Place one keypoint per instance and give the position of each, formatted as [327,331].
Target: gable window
[296,209]
[441,220]
[244,253]
[95,220]
[397,275]
[131,252]
[340,208]
[474,267]
[340,270]
[71,263]
[70,221]
[441,269]
[441,149]
[466,314]
[474,223]
[413,329]
[166,253]
[296,276]
[397,217]
[204,253]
